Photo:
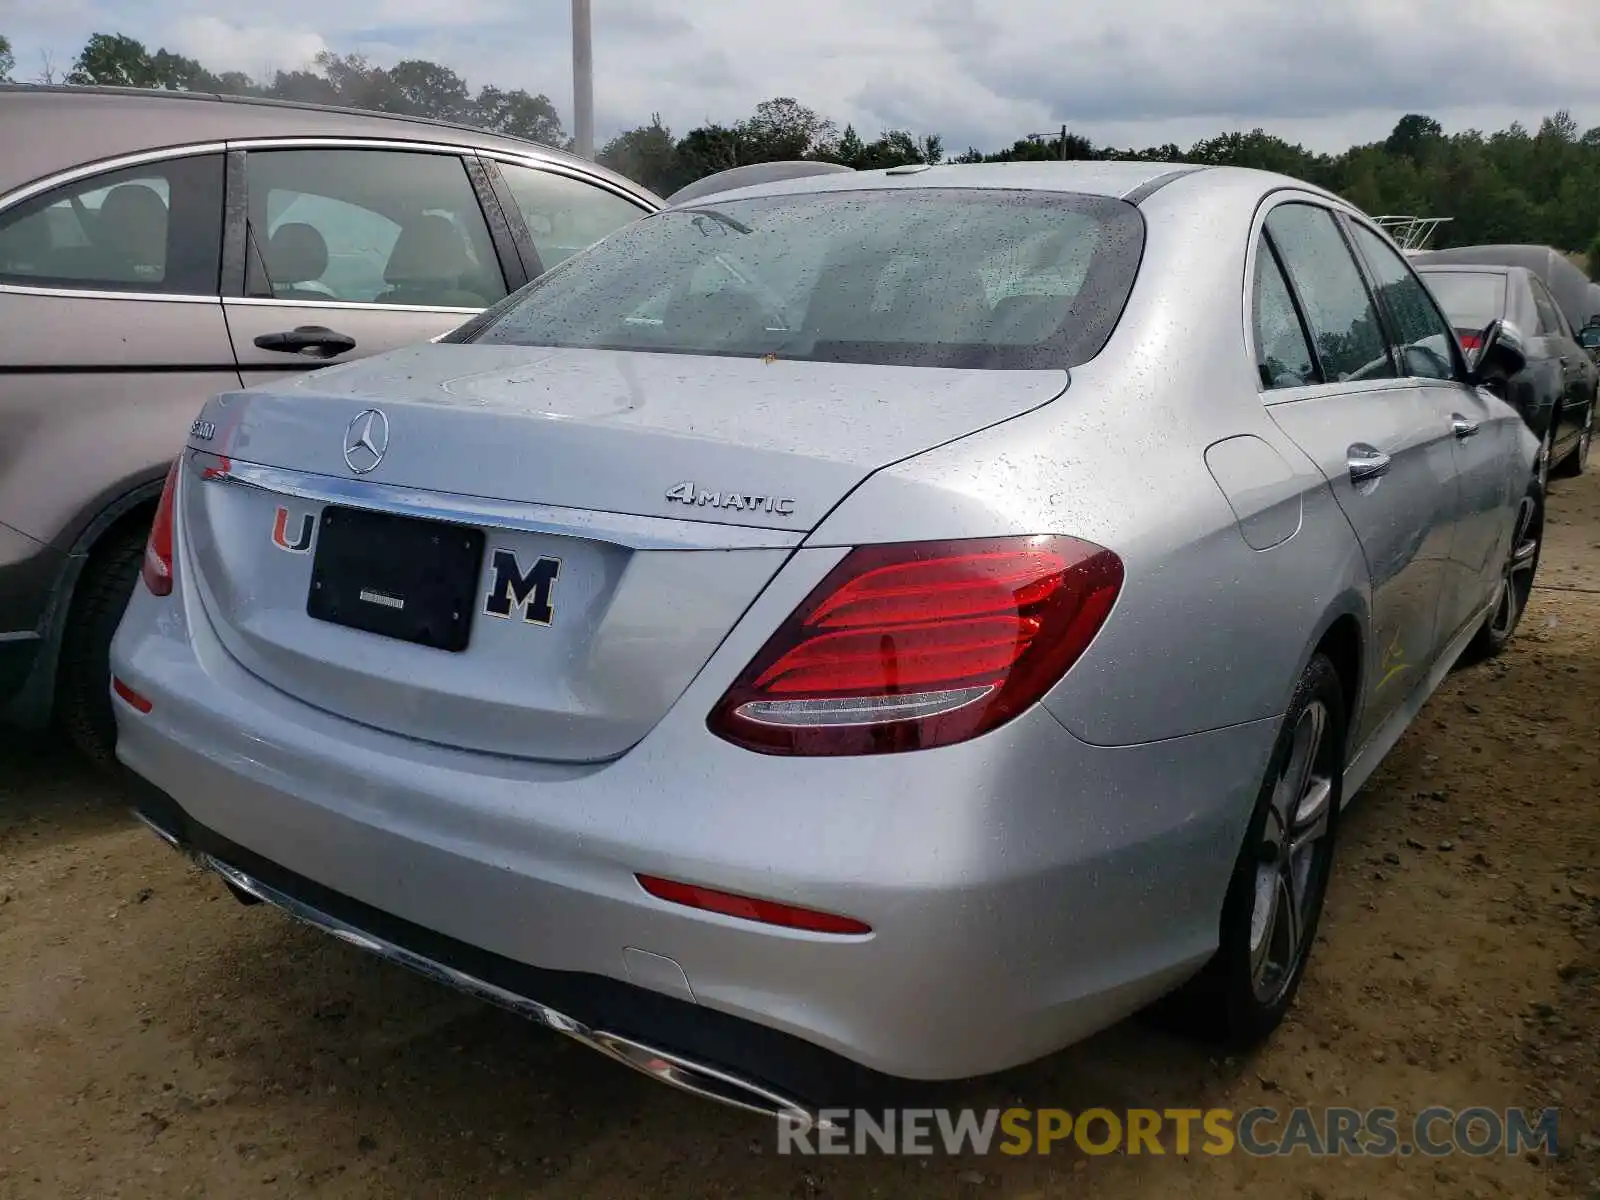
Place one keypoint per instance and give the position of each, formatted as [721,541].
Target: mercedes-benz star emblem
[366,440]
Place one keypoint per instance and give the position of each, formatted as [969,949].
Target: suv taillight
[920,644]
[157,568]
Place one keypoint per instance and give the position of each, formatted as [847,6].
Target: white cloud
[1128,72]
[254,49]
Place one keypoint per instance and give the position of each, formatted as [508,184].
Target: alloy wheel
[1516,578]
[1292,860]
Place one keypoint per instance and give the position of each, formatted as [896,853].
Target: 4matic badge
[688,493]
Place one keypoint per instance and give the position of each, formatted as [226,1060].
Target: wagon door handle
[317,341]
[1367,462]
[1461,426]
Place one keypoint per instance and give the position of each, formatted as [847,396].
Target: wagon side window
[154,228]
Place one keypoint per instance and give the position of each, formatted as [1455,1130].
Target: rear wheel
[83,682]
[1574,464]
[1280,880]
[1516,579]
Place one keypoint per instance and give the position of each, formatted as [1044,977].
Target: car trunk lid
[533,552]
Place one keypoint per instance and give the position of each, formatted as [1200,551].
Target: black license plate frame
[406,578]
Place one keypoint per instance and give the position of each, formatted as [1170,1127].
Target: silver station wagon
[159,247]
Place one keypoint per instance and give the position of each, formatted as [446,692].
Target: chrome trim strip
[106,165]
[72,293]
[362,306]
[529,158]
[571,172]
[170,839]
[621,529]
[698,1079]
[355,142]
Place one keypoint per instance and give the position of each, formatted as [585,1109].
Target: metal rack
[1411,234]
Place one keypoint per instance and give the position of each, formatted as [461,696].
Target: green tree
[425,89]
[1414,136]
[647,155]
[114,60]
[517,114]
[783,129]
[8,60]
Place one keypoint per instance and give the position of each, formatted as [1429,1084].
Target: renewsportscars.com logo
[1260,1132]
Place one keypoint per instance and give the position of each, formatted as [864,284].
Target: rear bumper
[1024,890]
[603,1014]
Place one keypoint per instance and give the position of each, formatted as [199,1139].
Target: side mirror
[1501,355]
[1589,337]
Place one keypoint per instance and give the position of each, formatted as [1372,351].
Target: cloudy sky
[981,72]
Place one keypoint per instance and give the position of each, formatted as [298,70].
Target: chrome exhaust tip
[674,1070]
[706,1082]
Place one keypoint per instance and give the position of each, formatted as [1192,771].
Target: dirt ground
[160,1040]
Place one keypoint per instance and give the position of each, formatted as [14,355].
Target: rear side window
[1283,356]
[1471,299]
[370,227]
[1551,322]
[155,228]
[931,277]
[1343,318]
[564,215]
[1426,341]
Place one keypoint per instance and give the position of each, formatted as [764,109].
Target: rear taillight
[1470,341]
[921,644]
[157,569]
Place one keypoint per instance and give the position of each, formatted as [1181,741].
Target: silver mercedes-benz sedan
[862,627]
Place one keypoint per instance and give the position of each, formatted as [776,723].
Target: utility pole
[582,80]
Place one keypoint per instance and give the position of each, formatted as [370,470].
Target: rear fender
[32,706]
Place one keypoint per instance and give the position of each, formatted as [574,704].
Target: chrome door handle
[1462,427]
[1367,462]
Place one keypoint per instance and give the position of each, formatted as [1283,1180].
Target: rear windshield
[1469,298]
[936,277]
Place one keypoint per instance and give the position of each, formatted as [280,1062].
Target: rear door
[111,335]
[342,251]
[1483,429]
[1383,444]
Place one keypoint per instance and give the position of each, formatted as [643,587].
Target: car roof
[1566,282]
[1131,180]
[1085,178]
[45,129]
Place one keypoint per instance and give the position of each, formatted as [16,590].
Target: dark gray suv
[159,247]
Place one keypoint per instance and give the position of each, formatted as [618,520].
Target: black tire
[1575,463]
[83,679]
[1516,580]
[1242,994]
